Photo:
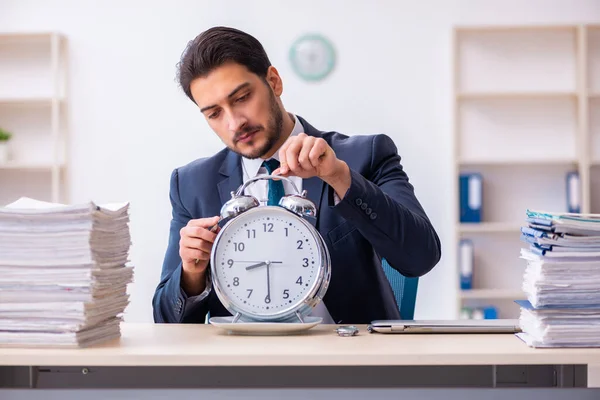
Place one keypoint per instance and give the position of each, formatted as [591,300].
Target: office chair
[405,290]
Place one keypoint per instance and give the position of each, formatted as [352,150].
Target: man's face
[241,108]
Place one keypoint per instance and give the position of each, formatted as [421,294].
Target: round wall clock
[312,57]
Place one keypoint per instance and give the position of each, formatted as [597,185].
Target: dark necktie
[276,190]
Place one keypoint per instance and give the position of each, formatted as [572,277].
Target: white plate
[264,328]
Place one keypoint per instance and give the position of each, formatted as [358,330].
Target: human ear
[274,80]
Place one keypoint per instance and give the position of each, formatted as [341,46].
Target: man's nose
[236,121]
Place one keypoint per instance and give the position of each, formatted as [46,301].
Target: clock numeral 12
[268,227]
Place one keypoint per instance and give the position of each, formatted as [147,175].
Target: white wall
[131,125]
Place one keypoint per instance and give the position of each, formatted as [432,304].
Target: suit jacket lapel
[314,186]
[231,169]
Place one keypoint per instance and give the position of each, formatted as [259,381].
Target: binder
[573,193]
[465,262]
[471,197]
[490,312]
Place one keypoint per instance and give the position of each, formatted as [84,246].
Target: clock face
[266,261]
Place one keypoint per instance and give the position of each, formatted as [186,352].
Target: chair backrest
[405,290]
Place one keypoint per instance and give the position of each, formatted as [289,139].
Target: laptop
[446,326]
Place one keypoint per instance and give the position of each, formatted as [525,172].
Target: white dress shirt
[259,189]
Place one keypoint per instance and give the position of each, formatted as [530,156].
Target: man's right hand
[195,246]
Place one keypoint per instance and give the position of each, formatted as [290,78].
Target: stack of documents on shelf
[63,273]
[561,280]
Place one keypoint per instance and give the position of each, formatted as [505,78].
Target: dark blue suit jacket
[379,217]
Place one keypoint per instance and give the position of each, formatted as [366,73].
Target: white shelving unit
[527,112]
[33,99]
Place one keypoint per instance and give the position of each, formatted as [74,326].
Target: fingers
[198,232]
[198,244]
[291,153]
[303,156]
[283,169]
[196,240]
[204,222]
[318,150]
[190,255]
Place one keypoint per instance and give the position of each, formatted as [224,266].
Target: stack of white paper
[559,326]
[63,273]
[561,280]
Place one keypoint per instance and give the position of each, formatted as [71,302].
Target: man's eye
[213,115]
[244,97]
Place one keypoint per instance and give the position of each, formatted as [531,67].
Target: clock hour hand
[260,264]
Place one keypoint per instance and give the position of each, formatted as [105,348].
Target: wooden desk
[317,358]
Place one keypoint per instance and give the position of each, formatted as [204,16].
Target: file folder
[471,197]
[465,261]
[573,193]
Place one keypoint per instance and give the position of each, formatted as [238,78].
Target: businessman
[367,209]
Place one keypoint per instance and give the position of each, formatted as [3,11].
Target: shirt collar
[252,166]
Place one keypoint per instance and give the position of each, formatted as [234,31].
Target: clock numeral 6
[286,293]
[239,246]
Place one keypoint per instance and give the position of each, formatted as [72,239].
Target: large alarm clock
[269,263]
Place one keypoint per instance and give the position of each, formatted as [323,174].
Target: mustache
[245,130]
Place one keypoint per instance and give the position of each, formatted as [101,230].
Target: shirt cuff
[336,198]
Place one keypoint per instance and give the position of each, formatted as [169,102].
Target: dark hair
[217,46]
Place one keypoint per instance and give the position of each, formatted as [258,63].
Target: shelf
[28,101]
[513,28]
[20,36]
[510,62]
[518,129]
[526,115]
[28,166]
[532,162]
[490,227]
[489,294]
[516,95]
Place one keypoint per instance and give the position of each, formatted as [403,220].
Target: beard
[273,131]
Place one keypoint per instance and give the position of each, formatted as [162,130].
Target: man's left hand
[307,156]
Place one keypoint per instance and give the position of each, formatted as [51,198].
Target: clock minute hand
[268,298]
